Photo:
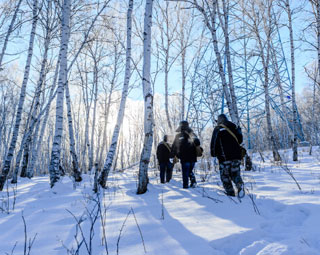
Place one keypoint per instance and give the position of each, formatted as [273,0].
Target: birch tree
[148,101]
[97,52]
[312,73]
[46,110]
[287,7]
[293,80]
[107,103]
[316,11]
[76,170]
[95,100]
[9,32]
[87,101]
[9,156]
[50,25]
[313,27]
[211,15]
[224,22]
[262,22]
[186,25]
[54,169]
[167,27]
[75,162]
[113,146]
[9,98]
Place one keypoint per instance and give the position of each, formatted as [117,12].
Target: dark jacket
[223,145]
[184,145]
[163,153]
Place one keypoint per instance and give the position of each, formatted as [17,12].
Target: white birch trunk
[56,146]
[6,40]
[84,82]
[95,78]
[113,146]
[293,83]
[19,156]
[166,77]
[183,89]
[107,104]
[75,162]
[315,140]
[166,67]
[276,154]
[3,121]
[25,158]
[15,133]
[265,61]
[37,146]
[10,130]
[229,65]
[276,69]
[148,101]
[213,30]
[86,142]
[35,138]
[35,117]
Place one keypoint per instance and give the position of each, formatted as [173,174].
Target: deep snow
[273,218]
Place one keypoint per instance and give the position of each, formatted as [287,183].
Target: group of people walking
[186,147]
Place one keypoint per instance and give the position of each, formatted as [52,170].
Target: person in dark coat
[225,145]
[184,147]
[163,155]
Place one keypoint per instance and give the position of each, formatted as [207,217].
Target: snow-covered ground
[274,217]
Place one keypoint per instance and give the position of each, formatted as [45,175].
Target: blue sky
[303,58]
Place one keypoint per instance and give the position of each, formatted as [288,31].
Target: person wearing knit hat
[225,145]
[184,147]
[164,153]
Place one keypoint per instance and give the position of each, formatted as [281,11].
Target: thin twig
[25,236]
[288,171]
[103,224]
[15,245]
[79,224]
[206,195]
[121,229]
[134,215]
[255,207]
[31,243]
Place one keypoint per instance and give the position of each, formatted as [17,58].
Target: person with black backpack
[225,145]
[163,155]
[186,147]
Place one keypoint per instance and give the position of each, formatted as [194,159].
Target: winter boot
[193,182]
[241,191]
[230,193]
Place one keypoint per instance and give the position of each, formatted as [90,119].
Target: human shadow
[286,218]
[174,231]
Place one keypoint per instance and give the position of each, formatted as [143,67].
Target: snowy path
[173,220]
